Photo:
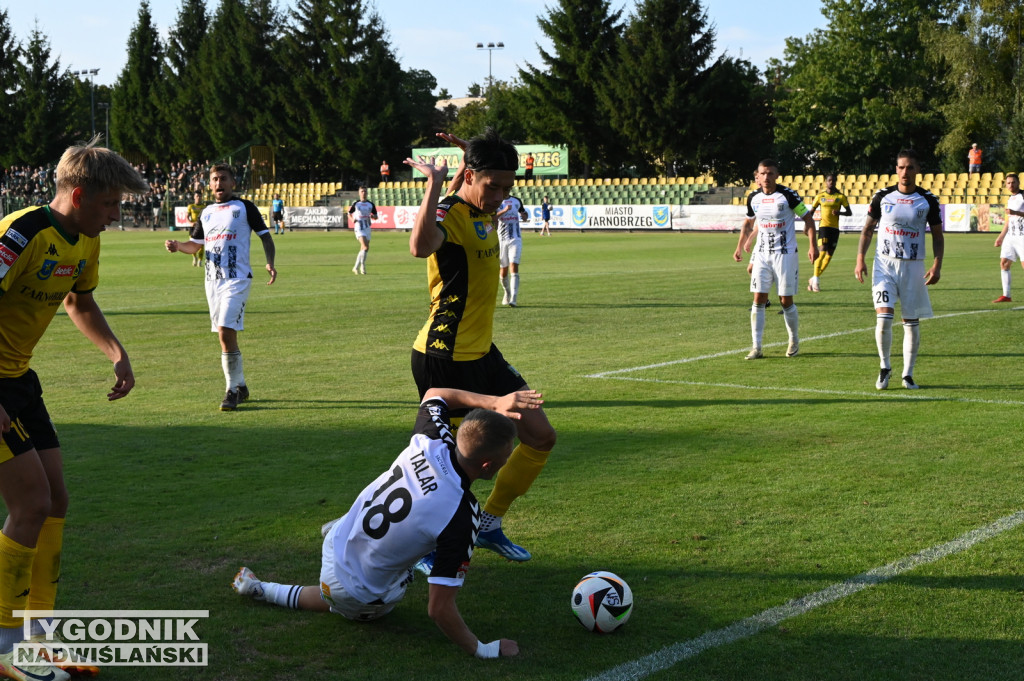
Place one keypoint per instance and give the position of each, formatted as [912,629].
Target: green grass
[717,488]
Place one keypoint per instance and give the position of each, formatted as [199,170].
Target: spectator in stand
[974,159]
[528,172]
[385,172]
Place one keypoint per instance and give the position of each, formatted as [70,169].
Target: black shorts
[31,427]
[828,239]
[489,375]
[278,216]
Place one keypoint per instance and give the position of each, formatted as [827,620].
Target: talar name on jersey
[423,473]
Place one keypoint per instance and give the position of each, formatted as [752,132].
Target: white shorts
[510,251]
[902,280]
[227,298]
[362,229]
[341,602]
[1012,248]
[781,269]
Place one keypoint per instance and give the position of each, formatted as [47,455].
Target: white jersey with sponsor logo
[775,215]
[362,211]
[508,222]
[902,222]
[421,503]
[225,229]
[1015,223]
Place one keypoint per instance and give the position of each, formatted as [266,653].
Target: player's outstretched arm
[511,405]
[87,316]
[426,238]
[189,247]
[442,609]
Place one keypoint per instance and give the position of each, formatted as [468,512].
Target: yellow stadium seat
[634,180]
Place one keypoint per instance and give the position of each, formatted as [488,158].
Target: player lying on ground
[422,503]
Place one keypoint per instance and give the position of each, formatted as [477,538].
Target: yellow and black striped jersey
[463,280]
[39,265]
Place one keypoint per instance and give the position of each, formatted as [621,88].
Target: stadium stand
[593,191]
[950,188]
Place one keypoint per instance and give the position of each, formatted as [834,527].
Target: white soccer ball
[602,602]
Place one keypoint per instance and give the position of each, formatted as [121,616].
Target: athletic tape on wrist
[488,651]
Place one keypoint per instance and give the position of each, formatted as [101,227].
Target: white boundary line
[616,374]
[686,360]
[673,654]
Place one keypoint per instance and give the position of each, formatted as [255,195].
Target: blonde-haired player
[48,255]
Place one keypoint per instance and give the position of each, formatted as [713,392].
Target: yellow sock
[514,478]
[46,567]
[821,263]
[15,579]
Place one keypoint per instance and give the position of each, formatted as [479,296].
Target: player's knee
[542,439]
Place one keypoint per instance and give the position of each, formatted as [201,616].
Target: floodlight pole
[92,94]
[490,47]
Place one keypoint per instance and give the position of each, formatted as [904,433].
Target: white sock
[489,522]
[792,322]
[911,342]
[504,286]
[1006,276]
[285,595]
[757,323]
[231,362]
[883,338]
[513,284]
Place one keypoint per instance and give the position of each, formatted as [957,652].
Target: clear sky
[437,37]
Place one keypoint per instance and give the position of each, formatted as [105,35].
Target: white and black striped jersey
[225,229]
[1015,223]
[421,503]
[363,212]
[508,222]
[902,222]
[775,215]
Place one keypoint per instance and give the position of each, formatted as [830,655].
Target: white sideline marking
[724,353]
[673,654]
[888,394]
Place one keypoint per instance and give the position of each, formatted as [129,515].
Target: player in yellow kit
[48,255]
[833,203]
[454,349]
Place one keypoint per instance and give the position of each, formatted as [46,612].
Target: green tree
[10,55]
[653,82]
[42,106]
[239,74]
[736,126]
[850,96]
[980,49]
[136,120]
[178,96]
[563,96]
[505,109]
[348,103]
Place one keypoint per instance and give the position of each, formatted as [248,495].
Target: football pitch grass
[721,490]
